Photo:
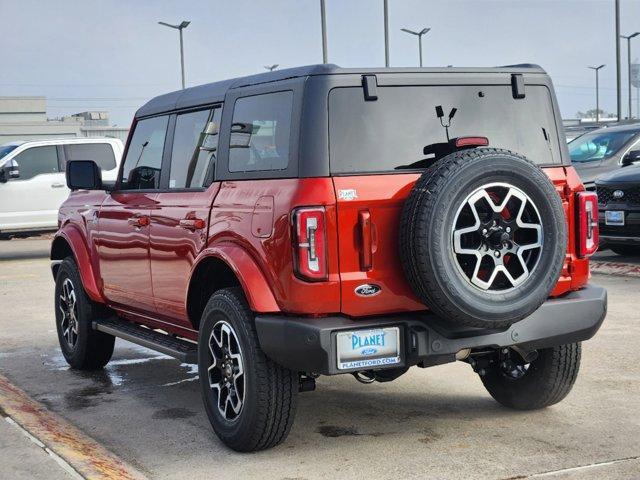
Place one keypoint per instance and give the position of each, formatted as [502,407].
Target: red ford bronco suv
[322,221]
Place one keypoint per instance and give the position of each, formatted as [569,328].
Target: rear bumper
[309,344]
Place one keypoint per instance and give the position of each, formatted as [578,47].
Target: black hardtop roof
[215,92]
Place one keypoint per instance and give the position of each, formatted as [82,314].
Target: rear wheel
[82,347]
[627,250]
[538,384]
[250,400]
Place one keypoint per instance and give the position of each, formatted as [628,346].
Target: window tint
[598,146]
[36,161]
[195,144]
[391,133]
[101,153]
[144,157]
[260,133]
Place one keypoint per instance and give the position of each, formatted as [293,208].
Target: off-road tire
[547,381]
[93,349]
[270,393]
[625,250]
[426,246]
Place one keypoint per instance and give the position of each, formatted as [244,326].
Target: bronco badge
[368,290]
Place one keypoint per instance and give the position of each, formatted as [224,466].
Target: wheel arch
[70,242]
[224,266]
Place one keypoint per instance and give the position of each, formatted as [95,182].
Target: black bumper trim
[308,344]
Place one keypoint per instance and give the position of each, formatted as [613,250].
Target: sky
[112,54]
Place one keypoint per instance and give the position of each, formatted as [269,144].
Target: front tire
[82,347]
[249,399]
[545,381]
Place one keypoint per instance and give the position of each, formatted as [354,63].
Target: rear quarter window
[390,134]
[260,133]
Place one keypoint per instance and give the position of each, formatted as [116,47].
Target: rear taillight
[588,233]
[310,245]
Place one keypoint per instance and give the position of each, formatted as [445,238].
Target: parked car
[324,221]
[619,199]
[32,179]
[598,152]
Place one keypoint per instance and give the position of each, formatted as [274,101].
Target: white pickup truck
[32,179]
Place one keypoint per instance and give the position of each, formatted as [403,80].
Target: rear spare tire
[483,237]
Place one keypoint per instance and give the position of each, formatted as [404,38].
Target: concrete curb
[78,453]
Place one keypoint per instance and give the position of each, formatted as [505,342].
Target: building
[25,118]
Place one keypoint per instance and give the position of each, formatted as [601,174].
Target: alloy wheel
[226,372]
[68,308]
[497,237]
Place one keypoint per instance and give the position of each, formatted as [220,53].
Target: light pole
[386,33]
[184,24]
[618,67]
[323,19]
[271,68]
[419,35]
[628,38]
[597,70]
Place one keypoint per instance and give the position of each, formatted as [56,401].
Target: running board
[183,350]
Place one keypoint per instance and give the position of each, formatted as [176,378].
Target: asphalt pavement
[432,423]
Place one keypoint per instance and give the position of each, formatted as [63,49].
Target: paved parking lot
[435,423]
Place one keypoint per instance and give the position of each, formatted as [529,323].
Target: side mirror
[84,175]
[630,158]
[10,170]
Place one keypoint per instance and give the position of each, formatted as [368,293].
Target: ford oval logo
[618,194]
[369,351]
[368,290]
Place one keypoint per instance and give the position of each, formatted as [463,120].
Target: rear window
[391,133]
[101,153]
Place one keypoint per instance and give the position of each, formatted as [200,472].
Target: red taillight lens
[588,232]
[310,246]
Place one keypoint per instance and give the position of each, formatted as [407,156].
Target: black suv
[619,200]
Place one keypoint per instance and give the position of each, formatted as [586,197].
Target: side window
[144,157]
[195,145]
[101,153]
[260,132]
[37,161]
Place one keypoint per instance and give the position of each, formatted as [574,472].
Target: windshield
[6,149]
[402,130]
[598,145]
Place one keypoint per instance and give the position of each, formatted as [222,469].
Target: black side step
[183,350]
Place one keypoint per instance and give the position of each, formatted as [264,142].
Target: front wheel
[541,383]
[249,399]
[82,347]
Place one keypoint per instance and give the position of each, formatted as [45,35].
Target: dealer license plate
[366,349]
[613,217]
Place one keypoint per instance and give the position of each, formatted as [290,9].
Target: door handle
[192,224]
[141,221]
[367,247]
[57,185]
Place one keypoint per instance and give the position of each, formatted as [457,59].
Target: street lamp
[184,24]
[628,38]
[271,68]
[597,70]
[419,35]
[323,20]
